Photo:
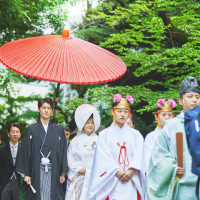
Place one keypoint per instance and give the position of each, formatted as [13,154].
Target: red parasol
[62,59]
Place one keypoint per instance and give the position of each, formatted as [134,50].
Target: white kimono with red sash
[117,149]
[149,142]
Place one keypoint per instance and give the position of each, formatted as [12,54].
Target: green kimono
[162,183]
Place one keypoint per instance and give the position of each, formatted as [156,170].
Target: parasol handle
[56,102]
[179,148]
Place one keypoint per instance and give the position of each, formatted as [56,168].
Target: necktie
[14,153]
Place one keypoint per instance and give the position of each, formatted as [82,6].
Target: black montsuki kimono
[30,157]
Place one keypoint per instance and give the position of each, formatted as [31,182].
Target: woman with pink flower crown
[118,166]
[164,111]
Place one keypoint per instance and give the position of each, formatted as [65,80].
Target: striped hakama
[45,182]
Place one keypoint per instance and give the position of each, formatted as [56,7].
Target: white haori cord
[45,161]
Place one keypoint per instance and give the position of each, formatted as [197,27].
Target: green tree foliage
[21,19]
[160,46]
[159,42]
[94,29]
[13,108]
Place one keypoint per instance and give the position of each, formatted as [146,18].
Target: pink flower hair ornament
[160,103]
[172,103]
[117,98]
[130,98]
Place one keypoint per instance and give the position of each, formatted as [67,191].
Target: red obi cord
[138,196]
[103,174]
[123,159]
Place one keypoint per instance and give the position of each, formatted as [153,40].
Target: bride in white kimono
[81,151]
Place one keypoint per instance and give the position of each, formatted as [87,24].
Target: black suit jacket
[6,166]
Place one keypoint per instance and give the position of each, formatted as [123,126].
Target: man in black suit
[67,134]
[9,178]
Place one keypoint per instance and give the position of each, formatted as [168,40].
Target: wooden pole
[56,102]
[179,148]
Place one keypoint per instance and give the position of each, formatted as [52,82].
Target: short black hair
[13,125]
[45,100]
[158,109]
[114,104]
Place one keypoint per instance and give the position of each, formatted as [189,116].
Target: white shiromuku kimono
[117,149]
[149,142]
[80,155]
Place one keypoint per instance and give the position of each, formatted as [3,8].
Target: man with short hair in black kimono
[43,157]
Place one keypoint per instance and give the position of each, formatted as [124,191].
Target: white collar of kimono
[45,127]
[181,114]
[158,128]
[116,126]
[82,114]
[85,135]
